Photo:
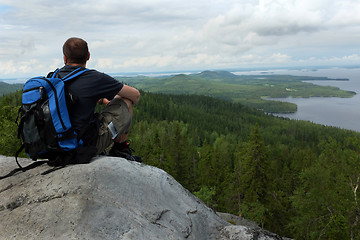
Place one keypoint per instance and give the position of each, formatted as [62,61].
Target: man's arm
[129,93]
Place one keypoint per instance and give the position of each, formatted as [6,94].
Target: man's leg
[117,113]
[123,137]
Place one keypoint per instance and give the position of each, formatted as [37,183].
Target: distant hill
[6,88]
[250,90]
[216,75]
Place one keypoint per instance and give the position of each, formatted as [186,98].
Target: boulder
[109,198]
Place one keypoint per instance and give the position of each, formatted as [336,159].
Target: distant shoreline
[238,71]
[333,111]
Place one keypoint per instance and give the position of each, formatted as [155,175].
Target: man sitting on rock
[93,87]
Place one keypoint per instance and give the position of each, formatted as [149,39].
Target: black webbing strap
[31,166]
[17,154]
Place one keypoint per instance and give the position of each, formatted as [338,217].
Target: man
[92,87]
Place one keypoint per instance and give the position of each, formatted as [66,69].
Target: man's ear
[88,57]
[65,59]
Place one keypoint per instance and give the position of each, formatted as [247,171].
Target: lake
[338,112]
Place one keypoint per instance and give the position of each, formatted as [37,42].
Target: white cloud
[346,14]
[156,61]
[8,67]
[105,63]
[350,59]
[143,35]
[11,67]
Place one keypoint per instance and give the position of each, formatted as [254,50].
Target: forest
[294,178]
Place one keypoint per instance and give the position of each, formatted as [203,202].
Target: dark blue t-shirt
[88,88]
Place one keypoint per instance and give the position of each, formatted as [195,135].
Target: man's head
[76,51]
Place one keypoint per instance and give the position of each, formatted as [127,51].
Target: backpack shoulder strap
[75,73]
[52,74]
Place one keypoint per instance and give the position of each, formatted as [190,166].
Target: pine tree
[204,169]
[253,176]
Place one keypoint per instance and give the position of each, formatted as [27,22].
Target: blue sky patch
[4,8]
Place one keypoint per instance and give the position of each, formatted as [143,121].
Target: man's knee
[129,104]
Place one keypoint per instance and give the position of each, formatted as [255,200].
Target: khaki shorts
[118,113]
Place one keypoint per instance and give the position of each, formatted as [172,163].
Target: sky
[128,36]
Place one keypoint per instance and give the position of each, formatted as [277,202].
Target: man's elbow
[130,93]
[136,97]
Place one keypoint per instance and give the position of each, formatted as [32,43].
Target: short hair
[76,50]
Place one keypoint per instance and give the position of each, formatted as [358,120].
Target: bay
[331,111]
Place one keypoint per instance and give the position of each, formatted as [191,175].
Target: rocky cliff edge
[109,198]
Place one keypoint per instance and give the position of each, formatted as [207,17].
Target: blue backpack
[45,128]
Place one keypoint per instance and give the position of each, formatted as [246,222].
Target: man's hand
[103,101]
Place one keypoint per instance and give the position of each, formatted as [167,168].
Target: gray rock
[110,198]
[237,220]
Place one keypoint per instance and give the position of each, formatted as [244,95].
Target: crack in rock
[49,198]
[188,230]
[6,188]
[159,216]
[19,201]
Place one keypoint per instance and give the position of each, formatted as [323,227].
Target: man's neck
[76,65]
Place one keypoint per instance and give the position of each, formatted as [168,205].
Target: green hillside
[249,90]
[6,88]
